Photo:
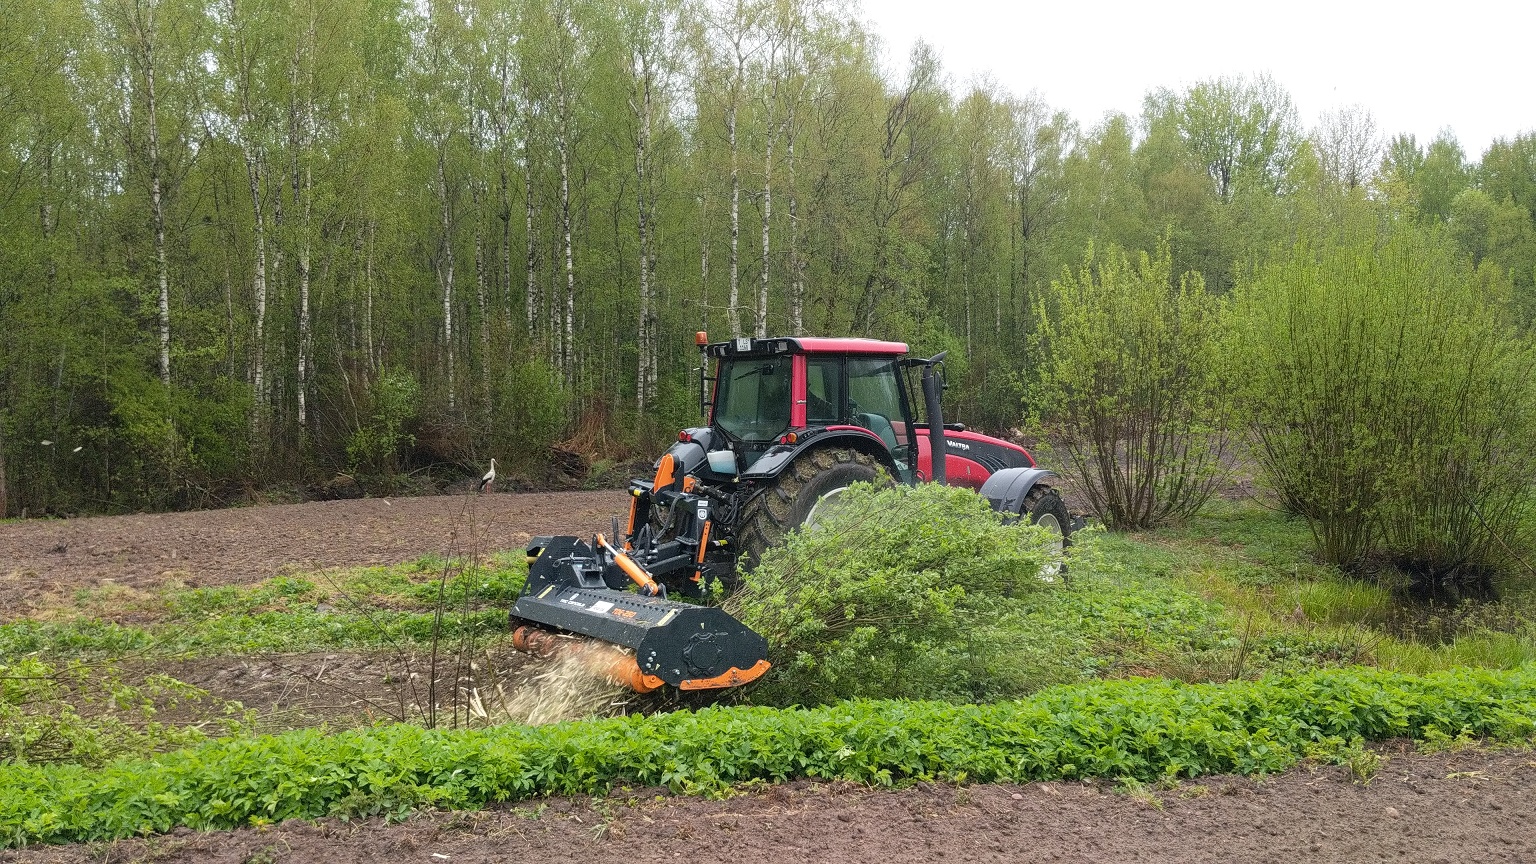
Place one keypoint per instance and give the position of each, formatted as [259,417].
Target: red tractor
[793,421]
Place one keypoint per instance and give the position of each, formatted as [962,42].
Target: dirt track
[1472,806]
[248,544]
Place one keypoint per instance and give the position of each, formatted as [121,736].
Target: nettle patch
[1141,729]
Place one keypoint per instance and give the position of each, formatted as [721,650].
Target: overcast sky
[1467,65]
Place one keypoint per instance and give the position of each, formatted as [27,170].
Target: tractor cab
[770,393]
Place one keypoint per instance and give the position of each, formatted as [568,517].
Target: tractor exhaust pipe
[932,387]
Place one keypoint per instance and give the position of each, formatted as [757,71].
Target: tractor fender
[775,459]
[1007,489]
[688,454]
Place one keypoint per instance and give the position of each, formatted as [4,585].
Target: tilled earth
[1472,806]
[48,557]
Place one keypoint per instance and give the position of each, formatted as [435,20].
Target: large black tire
[1043,506]
[784,504]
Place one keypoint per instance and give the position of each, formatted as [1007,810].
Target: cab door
[876,402]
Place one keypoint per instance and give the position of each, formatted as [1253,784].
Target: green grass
[1255,566]
[363,608]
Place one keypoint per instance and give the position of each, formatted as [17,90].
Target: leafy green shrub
[1132,384]
[1144,729]
[89,715]
[1392,404]
[530,414]
[899,591]
[376,444]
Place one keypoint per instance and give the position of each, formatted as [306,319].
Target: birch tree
[149,38]
[244,41]
[1347,145]
[736,24]
[442,121]
[649,31]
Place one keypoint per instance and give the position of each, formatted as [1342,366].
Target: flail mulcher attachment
[581,588]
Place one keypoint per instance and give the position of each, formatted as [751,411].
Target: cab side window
[823,391]
[874,397]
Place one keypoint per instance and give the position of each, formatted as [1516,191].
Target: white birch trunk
[567,348]
[146,35]
[258,291]
[704,263]
[485,318]
[373,357]
[304,359]
[504,201]
[275,274]
[445,267]
[49,222]
[733,300]
[762,283]
[303,141]
[644,337]
[531,288]
[796,270]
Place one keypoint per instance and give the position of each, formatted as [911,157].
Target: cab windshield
[752,400]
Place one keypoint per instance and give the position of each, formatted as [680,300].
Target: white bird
[46,443]
[78,449]
[489,478]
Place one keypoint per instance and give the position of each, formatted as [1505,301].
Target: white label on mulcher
[601,606]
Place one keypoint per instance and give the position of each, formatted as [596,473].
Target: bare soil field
[46,557]
[1472,806]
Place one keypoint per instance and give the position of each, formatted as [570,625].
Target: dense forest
[247,243]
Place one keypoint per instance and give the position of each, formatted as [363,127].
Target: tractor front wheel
[797,496]
[1043,506]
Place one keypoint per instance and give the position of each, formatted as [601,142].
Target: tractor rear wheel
[1043,506]
[798,495]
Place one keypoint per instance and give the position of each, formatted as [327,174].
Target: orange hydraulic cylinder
[631,569]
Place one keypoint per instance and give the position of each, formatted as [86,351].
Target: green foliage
[1124,613]
[1132,374]
[1361,762]
[1440,178]
[376,444]
[1279,610]
[1243,131]
[1392,404]
[89,714]
[530,414]
[417,239]
[1145,730]
[900,591]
